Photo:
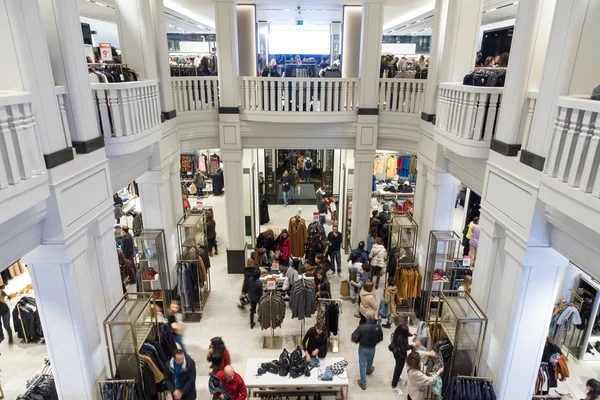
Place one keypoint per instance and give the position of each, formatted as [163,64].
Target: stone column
[69,65]
[370,53]
[167,103]
[529,39]
[29,40]
[246,37]
[460,41]
[227,52]
[361,194]
[351,34]
[436,57]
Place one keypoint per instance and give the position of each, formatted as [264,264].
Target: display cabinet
[403,235]
[126,328]
[152,261]
[465,324]
[442,250]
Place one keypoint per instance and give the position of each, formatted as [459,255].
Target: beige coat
[418,383]
[389,297]
[368,302]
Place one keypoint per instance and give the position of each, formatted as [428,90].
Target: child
[390,296]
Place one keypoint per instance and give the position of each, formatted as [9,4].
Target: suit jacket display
[299,235]
[303,299]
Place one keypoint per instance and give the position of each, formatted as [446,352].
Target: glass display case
[465,324]
[126,328]
[153,265]
[191,230]
[404,232]
[442,251]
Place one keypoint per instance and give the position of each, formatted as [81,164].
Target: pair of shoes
[210,254]
[397,391]
[330,272]
[388,325]
[340,274]
[216,252]
[252,325]
[372,370]
[361,386]
[285,204]
[376,287]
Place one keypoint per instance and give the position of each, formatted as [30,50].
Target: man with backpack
[308,166]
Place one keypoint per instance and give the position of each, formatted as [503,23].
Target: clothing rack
[477,378]
[334,342]
[25,339]
[45,374]
[272,341]
[114,381]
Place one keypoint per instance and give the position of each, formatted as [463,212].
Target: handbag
[284,363]
[345,288]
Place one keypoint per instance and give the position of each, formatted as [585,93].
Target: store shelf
[141,333]
[189,242]
[464,341]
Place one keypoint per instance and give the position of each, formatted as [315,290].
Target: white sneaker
[397,391]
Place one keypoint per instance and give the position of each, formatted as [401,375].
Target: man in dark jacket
[335,244]
[255,292]
[367,336]
[360,251]
[180,377]
[127,249]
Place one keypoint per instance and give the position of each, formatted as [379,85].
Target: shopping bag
[345,288]
[298,190]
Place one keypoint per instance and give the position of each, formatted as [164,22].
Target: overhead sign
[106,52]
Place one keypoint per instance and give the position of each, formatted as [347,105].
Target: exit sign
[299,22]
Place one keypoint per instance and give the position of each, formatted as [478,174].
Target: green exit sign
[299,22]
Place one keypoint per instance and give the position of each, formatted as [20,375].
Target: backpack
[308,164]
[284,363]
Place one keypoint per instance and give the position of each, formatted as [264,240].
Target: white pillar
[137,36]
[526,36]
[233,175]
[34,62]
[565,36]
[461,39]
[246,36]
[361,195]
[436,58]
[227,52]
[167,104]
[530,280]
[108,262]
[370,52]
[69,65]
[351,34]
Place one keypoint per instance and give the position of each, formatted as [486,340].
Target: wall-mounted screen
[299,41]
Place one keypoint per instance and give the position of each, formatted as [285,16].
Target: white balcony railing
[61,95]
[401,95]
[302,95]
[468,112]
[128,108]
[195,93]
[21,155]
[575,152]
[532,97]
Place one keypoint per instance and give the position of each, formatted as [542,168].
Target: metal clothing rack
[46,372]
[272,341]
[334,343]
[101,383]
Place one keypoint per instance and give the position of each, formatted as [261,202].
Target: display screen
[299,41]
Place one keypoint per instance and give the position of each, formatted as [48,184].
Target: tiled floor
[223,318]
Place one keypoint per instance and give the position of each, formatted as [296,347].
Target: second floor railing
[302,95]
[532,97]
[195,93]
[468,112]
[575,151]
[61,96]
[401,95]
[128,108]
[21,155]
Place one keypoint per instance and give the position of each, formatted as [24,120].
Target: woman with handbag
[283,251]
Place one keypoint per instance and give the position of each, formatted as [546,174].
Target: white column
[461,39]
[563,45]
[69,65]
[531,278]
[227,52]
[419,199]
[137,36]
[108,262]
[370,52]
[233,175]
[167,104]
[361,195]
[351,34]
[25,21]
[246,35]
[524,47]
[436,58]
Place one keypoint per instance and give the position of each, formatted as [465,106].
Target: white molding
[117,146]
[464,147]
[298,117]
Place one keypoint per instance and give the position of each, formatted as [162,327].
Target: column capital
[232,155]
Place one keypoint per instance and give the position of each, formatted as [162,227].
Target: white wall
[106,32]
[584,78]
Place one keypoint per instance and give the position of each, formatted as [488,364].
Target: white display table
[270,381]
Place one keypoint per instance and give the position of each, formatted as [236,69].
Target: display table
[272,383]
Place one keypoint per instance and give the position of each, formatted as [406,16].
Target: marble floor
[222,317]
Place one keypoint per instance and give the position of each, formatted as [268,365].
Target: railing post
[120,107]
[566,160]
[10,174]
[590,171]
[582,142]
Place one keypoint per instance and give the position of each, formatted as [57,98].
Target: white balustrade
[21,155]
[532,96]
[61,95]
[575,151]
[299,95]
[401,95]
[468,112]
[127,108]
[195,93]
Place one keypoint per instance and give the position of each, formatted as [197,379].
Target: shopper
[292,272]
[391,297]
[180,377]
[371,239]
[308,166]
[322,286]
[489,62]
[211,234]
[294,182]
[323,264]
[249,271]
[467,284]
[286,184]
[266,241]
[399,348]
[320,193]
[360,250]
[232,383]
[315,342]
[474,244]
[335,243]
[5,316]
[375,222]
[378,258]
[255,292]
[363,276]
[367,336]
[368,301]
[218,355]
[261,184]
[503,61]
[418,382]
[283,251]
[593,389]
[200,182]
[468,233]
[354,272]
[175,319]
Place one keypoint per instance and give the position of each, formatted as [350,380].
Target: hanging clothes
[408,280]
[26,319]
[303,299]
[390,167]
[215,163]
[188,284]
[271,310]
[377,165]
[299,235]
